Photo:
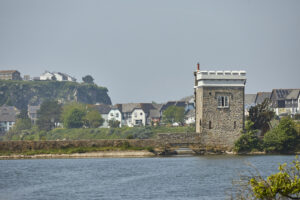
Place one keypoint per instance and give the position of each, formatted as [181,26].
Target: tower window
[209,125]
[234,124]
[200,122]
[223,102]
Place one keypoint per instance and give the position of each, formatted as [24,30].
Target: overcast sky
[145,51]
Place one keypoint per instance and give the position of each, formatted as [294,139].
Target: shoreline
[99,154]
[122,154]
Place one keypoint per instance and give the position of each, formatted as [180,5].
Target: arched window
[209,125]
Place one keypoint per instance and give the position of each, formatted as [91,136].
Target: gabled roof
[261,96]
[282,94]
[8,71]
[294,94]
[129,107]
[102,108]
[154,113]
[8,113]
[250,99]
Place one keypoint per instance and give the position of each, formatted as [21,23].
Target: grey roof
[103,108]
[293,94]
[250,99]
[261,96]
[280,94]
[129,107]
[154,113]
[8,113]
[33,109]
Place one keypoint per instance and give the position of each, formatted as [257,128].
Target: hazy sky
[145,51]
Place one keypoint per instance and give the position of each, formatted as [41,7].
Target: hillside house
[8,115]
[10,75]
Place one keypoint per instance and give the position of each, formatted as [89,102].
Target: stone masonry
[219,100]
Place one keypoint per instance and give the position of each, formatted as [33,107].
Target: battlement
[220,78]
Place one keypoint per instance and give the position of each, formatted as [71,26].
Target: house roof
[8,113]
[250,99]
[9,71]
[293,94]
[261,96]
[103,108]
[154,113]
[280,94]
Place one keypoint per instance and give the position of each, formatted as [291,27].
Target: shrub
[283,138]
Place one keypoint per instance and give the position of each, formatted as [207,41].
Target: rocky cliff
[23,93]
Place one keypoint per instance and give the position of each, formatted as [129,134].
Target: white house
[58,76]
[138,117]
[190,117]
[115,114]
[46,76]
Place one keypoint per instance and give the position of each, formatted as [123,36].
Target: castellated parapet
[219,100]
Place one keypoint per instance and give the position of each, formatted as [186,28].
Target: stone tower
[219,100]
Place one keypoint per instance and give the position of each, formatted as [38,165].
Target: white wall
[46,76]
[115,114]
[138,114]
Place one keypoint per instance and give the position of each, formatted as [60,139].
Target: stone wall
[226,123]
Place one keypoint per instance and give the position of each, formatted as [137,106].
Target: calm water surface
[199,177]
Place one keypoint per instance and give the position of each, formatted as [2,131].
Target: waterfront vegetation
[92,133]
[282,185]
[264,133]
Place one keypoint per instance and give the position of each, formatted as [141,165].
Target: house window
[111,114]
[223,102]
[117,114]
[141,113]
[209,125]
[135,114]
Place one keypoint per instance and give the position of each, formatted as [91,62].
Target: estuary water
[167,178]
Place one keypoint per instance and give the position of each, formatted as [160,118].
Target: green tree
[114,123]
[261,115]
[49,115]
[173,114]
[22,124]
[88,79]
[248,141]
[23,114]
[283,185]
[283,138]
[73,115]
[93,119]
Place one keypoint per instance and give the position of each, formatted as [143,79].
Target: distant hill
[23,93]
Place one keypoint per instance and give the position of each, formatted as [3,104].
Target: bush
[283,138]
[248,142]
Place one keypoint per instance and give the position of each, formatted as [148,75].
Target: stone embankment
[163,144]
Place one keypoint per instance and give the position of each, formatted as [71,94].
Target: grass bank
[93,133]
